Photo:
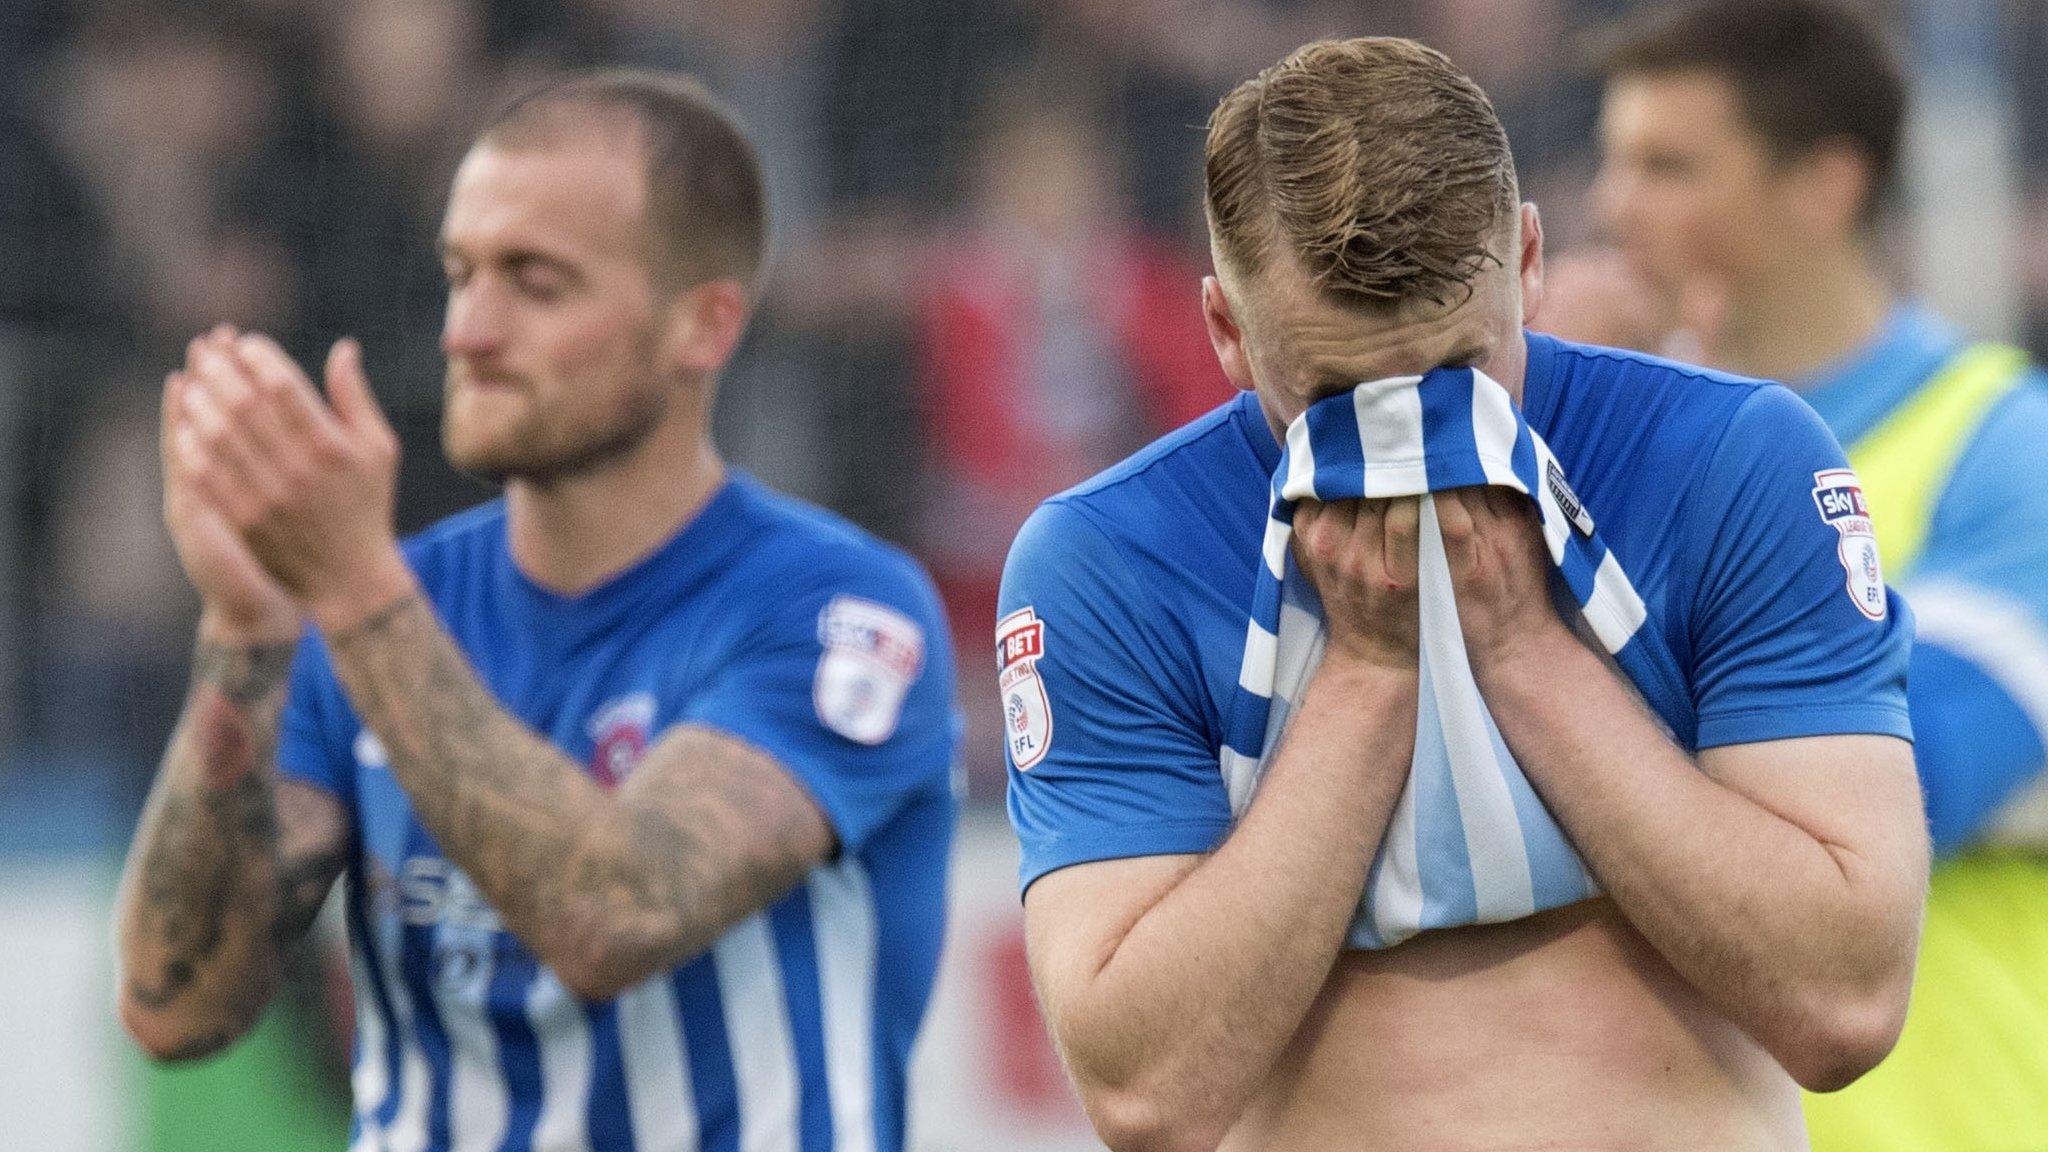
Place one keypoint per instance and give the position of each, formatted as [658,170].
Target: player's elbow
[175,1038]
[1844,1040]
[595,975]
[604,961]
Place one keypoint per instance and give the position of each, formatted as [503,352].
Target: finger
[226,445]
[1402,529]
[222,374]
[1520,515]
[203,475]
[1454,522]
[1311,523]
[348,390]
[296,415]
[1501,503]
[1322,534]
[1341,517]
[211,338]
[167,415]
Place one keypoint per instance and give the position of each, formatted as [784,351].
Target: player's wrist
[1362,670]
[1540,656]
[369,589]
[248,627]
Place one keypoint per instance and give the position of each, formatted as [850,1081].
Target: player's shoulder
[1216,434]
[1206,470]
[794,548]
[1677,417]
[1595,375]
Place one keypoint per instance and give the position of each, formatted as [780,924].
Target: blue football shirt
[794,1031]
[1125,600]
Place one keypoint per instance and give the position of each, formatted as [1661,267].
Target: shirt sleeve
[1108,757]
[847,682]
[1793,631]
[310,744]
[1979,686]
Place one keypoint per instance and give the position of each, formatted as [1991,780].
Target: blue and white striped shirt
[794,1031]
[1125,606]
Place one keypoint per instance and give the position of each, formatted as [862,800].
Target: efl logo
[1027,714]
[872,655]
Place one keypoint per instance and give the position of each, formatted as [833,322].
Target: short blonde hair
[1374,161]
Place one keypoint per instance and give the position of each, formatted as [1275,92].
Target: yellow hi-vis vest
[1970,1073]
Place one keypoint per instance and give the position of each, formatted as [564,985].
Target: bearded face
[553,328]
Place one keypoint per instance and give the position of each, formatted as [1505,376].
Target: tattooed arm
[606,888]
[230,863]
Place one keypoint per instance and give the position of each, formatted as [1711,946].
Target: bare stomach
[1562,1031]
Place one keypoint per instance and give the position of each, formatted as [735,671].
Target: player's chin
[493,452]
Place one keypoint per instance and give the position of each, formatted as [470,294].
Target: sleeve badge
[1027,717]
[872,656]
[1839,497]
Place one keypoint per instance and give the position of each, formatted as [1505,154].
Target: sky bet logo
[1840,498]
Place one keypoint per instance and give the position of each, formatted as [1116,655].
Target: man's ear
[1827,187]
[1226,335]
[705,323]
[1530,267]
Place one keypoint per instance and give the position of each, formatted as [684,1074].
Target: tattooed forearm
[719,829]
[205,899]
[606,889]
[504,804]
[246,674]
[188,878]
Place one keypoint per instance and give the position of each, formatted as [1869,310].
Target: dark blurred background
[987,240]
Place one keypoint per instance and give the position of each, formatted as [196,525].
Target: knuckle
[328,452]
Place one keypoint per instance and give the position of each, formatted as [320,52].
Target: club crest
[619,734]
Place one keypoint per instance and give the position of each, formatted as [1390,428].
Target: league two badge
[1027,717]
[1839,496]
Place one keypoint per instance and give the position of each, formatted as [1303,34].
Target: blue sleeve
[1980,592]
[310,744]
[1792,633]
[1108,757]
[847,682]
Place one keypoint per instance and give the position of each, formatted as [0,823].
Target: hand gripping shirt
[1122,622]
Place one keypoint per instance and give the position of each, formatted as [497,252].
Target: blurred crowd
[987,238]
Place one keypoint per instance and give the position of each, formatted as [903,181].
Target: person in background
[1750,159]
